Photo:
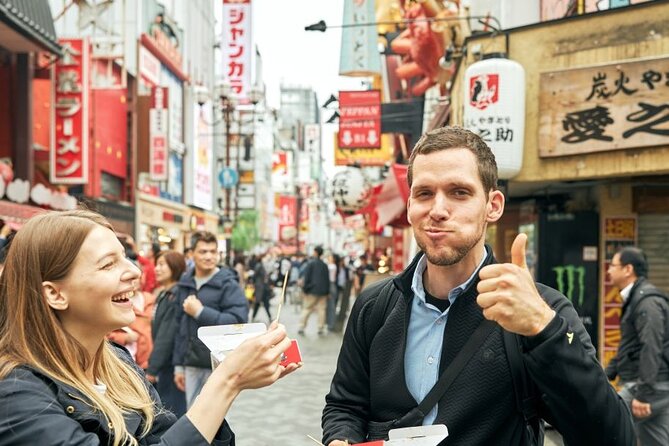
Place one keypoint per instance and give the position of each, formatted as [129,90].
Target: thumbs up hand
[508,295]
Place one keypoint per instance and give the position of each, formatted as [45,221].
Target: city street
[287,412]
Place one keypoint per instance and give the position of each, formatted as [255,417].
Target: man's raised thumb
[518,250]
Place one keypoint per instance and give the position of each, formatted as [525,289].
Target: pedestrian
[240,268]
[344,285]
[316,287]
[206,295]
[170,265]
[262,289]
[66,284]
[643,354]
[405,331]
[331,307]
[361,272]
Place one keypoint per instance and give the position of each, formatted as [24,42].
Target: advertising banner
[360,119]
[237,47]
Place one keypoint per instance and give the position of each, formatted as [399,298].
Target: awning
[387,205]
[26,26]
[15,214]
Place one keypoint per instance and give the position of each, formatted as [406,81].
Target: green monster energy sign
[571,273]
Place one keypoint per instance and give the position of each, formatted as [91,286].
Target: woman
[66,284]
[262,289]
[170,265]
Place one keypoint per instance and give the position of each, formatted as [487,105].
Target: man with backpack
[460,340]
[641,360]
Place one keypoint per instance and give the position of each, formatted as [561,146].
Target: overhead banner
[360,119]
[70,89]
[237,47]
[158,128]
[359,52]
[203,159]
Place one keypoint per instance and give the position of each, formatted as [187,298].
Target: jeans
[195,379]
[653,430]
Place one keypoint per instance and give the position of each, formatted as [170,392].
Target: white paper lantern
[350,190]
[495,109]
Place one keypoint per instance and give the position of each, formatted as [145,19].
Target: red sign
[280,163]
[158,129]
[483,90]
[70,99]
[237,47]
[360,119]
[398,250]
[286,210]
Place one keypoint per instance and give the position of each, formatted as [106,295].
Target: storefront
[595,166]
[161,221]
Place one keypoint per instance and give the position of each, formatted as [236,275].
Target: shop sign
[364,157]
[237,47]
[149,66]
[70,96]
[165,44]
[359,50]
[606,107]
[286,210]
[360,119]
[619,232]
[203,158]
[158,128]
[494,108]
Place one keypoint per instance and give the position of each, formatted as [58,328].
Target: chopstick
[282,299]
[314,440]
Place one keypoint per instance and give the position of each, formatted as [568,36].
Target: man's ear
[53,296]
[495,206]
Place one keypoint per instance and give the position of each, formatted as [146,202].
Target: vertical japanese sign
[618,233]
[398,250]
[69,130]
[158,125]
[605,107]
[237,47]
[359,52]
[360,119]
[203,162]
[286,207]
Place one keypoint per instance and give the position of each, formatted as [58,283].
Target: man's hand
[151,378]
[339,443]
[180,381]
[640,410]
[192,305]
[509,297]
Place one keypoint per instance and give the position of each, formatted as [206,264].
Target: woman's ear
[53,296]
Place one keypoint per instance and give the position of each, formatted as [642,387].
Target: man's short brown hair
[204,237]
[458,138]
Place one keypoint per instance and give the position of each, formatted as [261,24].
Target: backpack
[527,396]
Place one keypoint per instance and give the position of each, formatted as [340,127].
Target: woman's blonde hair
[31,334]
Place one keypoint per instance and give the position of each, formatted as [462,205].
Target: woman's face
[98,289]
[163,271]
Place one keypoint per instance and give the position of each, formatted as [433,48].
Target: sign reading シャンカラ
[606,107]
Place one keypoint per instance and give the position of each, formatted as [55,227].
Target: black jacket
[36,409]
[163,332]
[479,408]
[643,346]
[316,278]
[224,303]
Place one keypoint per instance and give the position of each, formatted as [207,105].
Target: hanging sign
[360,119]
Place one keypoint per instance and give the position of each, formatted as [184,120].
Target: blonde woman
[66,284]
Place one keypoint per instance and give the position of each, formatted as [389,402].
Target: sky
[293,56]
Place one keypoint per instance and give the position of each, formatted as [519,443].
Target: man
[441,299]
[206,295]
[641,361]
[361,273]
[316,287]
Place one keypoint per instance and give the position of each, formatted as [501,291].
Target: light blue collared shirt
[425,337]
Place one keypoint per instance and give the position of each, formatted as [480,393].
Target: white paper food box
[413,436]
[221,339]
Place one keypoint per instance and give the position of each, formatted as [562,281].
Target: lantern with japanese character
[350,190]
[495,109]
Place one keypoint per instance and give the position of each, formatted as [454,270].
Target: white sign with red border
[237,47]
[158,128]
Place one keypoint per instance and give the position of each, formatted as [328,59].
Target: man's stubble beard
[453,254]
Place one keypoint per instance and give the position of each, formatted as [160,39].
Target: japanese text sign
[237,46]
[360,119]
[607,107]
[69,130]
[158,125]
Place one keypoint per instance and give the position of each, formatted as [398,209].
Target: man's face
[619,273]
[448,208]
[205,256]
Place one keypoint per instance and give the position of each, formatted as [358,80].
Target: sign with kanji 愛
[70,91]
[606,107]
[360,119]
[237,47]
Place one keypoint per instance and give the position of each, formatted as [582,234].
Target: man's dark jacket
[37,409]
[316,278]
[479,408]
[224,303]
[163,332]
[643,346]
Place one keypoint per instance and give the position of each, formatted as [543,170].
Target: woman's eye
[108,265]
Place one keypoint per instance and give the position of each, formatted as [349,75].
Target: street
[288,411]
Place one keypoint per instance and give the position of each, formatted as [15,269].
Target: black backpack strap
[383,305]
[473,344]
[527,399]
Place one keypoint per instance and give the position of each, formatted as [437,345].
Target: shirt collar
[417,281]
[625,292]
